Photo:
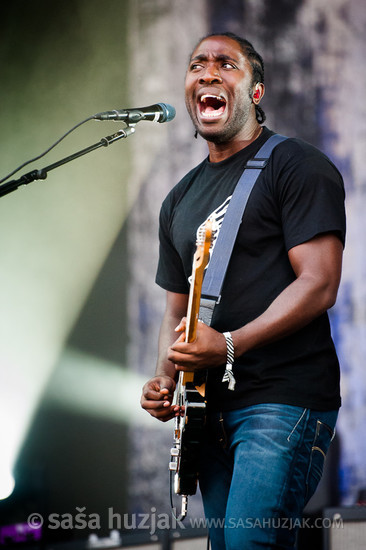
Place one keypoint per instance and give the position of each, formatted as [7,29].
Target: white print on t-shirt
[216,218]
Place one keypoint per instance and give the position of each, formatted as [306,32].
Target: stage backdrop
[316,81]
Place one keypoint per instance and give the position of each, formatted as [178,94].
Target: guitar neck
[193,308]
[192,319]
[200,261]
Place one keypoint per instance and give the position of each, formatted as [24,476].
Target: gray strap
[207,307]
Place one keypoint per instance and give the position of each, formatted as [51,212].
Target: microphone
[160,112]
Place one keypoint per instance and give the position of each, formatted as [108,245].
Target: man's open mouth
[211,106]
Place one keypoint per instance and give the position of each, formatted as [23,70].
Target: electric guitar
[190,391]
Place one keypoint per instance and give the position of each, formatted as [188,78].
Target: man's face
[217,89]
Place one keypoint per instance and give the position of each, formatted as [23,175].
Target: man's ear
[258,92]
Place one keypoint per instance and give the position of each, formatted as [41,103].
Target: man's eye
[228,65]
[195,66]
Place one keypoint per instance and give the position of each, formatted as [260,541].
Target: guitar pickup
[196,405]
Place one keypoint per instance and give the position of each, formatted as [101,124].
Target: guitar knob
[173,466]
[174,452]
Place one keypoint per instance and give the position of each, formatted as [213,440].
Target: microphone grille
[168,112]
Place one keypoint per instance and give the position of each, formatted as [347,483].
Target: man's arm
[317,265]
[157,393]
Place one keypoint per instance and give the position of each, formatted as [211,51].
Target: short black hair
[254,58]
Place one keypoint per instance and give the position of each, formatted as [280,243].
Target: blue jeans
[259,467]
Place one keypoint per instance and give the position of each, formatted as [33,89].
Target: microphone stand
[42,174]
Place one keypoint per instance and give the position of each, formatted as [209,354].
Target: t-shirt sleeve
[311,198]
[170,273]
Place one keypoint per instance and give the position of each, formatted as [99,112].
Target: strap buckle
[257,163]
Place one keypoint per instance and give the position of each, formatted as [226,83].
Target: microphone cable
[47,150]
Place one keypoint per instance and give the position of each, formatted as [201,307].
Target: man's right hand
[157,396]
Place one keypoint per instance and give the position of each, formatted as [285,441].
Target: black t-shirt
[299,195]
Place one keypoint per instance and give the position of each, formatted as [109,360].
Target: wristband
[229,376]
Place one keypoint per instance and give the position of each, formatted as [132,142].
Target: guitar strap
[216,270]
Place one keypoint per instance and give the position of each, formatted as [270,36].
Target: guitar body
[190,397]
[191,431]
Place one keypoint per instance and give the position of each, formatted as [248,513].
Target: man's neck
[222,151]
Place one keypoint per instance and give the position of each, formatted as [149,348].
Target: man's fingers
[182,325]
[155,392]
[161,413]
